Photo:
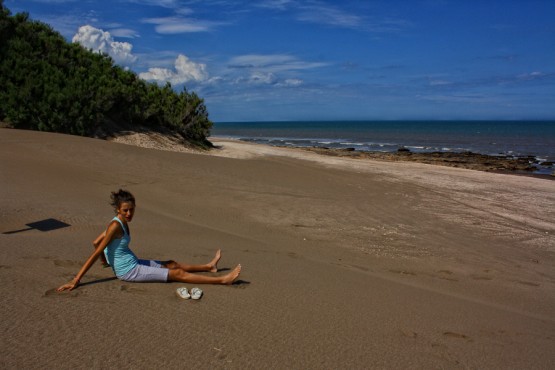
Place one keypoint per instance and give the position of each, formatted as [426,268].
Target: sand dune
[346,264]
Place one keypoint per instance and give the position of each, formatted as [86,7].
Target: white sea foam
[356,144]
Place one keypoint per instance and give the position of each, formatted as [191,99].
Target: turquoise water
[511,138]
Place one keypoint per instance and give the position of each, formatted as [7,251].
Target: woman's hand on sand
[69,286]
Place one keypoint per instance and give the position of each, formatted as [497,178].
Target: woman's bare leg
[177,274]
[211,266]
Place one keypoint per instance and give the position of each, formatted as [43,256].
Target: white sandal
[196,293]
[183,293]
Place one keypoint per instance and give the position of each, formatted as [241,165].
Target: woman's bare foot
[230,278]
[213,265]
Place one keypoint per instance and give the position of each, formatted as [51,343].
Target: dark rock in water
[348,149]
[403,150]
[547,164]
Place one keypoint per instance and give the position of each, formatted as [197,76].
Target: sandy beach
[347,264]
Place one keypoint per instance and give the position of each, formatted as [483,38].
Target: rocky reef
[469,160]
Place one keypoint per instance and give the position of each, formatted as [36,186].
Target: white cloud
[262,78]
[162,3]
[102,42]
[278,70]
[531,76]
[173,25]
[292,82]
[334,15]
[124,32]
[257,61]
[475,98]
[272,63]
[185,70]
[274,4]
[440,83]
[329,16]
[314,12]
[55,1]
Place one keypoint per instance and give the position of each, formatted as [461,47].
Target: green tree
[49,84]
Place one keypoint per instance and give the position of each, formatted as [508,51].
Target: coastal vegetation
[49,84]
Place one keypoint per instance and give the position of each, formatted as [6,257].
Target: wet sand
[346,263]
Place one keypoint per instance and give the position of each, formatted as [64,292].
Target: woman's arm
[96,244]
[97,241]
[107,237]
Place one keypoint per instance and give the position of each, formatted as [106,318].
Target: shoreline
[494,138]
[464,160]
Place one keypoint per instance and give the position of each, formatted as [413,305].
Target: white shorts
[147,271]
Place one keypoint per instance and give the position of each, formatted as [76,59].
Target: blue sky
[329,60]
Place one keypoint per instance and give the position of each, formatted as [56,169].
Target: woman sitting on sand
[128,267]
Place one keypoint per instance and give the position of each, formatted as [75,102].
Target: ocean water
[511,138]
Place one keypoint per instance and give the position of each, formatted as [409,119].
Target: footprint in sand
[409,333]
[219,354]
[527,283]
[448,278]
[362,268]
[445,275]
[458,336]
[482,278]
[446,272]
[402,272]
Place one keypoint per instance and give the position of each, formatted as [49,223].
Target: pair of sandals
[183,293]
